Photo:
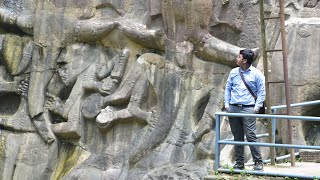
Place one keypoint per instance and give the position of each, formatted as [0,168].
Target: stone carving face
[109,85]
[63,72]
[124,55]
[73,62]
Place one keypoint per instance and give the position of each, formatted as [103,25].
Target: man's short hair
[247,54]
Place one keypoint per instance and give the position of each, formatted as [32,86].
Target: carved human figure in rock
[125,104]
[135,86]
[145,77]
[78,67]
[133,91]
[13,20]
[108,76]
[71,64]
[15,59]
[47,50]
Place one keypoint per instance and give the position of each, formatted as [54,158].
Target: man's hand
[227,108]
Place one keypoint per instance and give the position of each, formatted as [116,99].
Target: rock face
[304,73]
[127,89]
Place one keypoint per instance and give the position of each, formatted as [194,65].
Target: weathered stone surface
[121,89]
[304,73]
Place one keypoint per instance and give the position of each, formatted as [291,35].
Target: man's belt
[242,105]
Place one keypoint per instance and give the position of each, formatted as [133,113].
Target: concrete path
[301,170]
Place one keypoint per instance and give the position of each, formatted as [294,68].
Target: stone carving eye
[62,64]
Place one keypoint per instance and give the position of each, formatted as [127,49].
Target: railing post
[274,126]
[273,137]
[266,75]
[217,152]
[286,78]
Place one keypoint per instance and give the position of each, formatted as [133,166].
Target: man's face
[240,61]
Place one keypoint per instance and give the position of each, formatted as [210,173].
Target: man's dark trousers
[241,126]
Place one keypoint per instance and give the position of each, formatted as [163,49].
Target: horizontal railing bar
[297,104]
[277,159]
[306,118]
[274,82]
[274,50]
[268,144]
[262,173]
[275,17]
[258,136]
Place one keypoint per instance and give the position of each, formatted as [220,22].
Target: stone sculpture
[121,89]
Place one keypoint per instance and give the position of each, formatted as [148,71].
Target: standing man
[238,99]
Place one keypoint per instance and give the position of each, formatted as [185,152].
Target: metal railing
[273,118]
[274,111]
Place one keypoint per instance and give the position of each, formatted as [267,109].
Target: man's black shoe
[258,166]
[238,166]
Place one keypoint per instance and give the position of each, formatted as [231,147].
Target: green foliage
[298,159]
[231,170]
[226,166]
[244,173]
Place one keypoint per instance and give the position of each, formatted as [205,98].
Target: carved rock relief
[117,89]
